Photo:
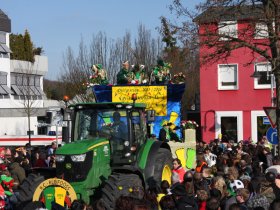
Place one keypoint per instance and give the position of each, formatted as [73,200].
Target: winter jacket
[17,172]
[186,203]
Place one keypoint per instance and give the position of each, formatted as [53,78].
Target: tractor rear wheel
[119,184]
[163,166]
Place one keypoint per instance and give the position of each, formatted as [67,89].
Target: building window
[38,85]
[4,49]
[227,30]
[264,82]
[37,81]
[229,124]
[259,125]
[227,77]
[19,79]
[4,89]
[261,31]
[26,85]
[2,38]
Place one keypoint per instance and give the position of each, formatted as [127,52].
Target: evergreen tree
[17,46]
[28,47]
[23,48]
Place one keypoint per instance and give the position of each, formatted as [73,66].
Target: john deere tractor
[110,153]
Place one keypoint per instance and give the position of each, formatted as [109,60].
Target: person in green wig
[164,134]
[161,72]
[100,74]
[139,72]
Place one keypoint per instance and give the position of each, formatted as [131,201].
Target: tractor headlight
[126,143]
[59,158]
[78,158]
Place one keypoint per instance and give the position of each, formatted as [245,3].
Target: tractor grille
[74,171]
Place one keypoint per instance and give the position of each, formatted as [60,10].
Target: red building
[231,101]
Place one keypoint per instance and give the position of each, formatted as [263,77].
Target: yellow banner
[155,97]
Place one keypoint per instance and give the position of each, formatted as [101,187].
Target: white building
[21,94]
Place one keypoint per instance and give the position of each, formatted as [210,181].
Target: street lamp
[65,129]
[270,75]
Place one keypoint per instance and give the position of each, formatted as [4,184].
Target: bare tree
[264,21]
[110,53]
[182,52]
[26,83]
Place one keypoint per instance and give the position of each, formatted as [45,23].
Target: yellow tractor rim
[166,174]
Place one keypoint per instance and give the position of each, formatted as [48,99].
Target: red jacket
[181,171]
[202,205]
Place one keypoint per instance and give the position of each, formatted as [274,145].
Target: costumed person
[139,74]
[125,75]
[161,72]
[166,71]
[7,183]
[164,132]
[6,190]
[100,73]
[173,135]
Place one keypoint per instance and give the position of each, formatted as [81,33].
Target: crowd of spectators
[228,176]
[15,164]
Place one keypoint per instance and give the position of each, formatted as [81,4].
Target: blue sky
[56,25]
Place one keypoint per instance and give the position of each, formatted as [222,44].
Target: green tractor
[110,153]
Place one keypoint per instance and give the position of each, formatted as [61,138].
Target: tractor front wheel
[119,184]
[26,190]
[163,166]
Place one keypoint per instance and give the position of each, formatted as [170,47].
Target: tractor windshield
[92,123]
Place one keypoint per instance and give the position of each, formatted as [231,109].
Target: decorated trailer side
[165,101]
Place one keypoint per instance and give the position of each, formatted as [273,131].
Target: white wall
[17,125]
[11,103]
[40,66]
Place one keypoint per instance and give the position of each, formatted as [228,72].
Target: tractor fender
[149,168]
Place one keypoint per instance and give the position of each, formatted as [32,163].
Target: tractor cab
[122,124]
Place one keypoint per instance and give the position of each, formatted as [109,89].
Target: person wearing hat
[16,170]
[164,134]
[139,74]
[100,73]
[173,135]
[233,186]
[161,72]
[125,75]
[157,72]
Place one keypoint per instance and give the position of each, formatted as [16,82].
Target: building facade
[22,99]
[232,101]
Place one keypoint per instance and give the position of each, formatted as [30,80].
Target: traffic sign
[271,114]
[271,135]
[266,121]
